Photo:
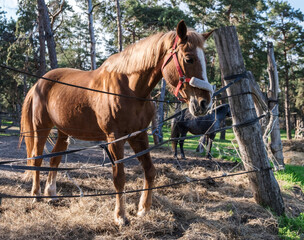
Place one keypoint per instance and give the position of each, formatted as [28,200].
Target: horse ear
[207,34]
[182,30]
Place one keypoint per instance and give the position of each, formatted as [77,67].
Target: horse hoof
[142,213]
[53,200]
[27,176]
[37,195]
[121,221]
[36,200]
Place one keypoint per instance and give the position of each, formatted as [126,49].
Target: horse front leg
[138,144]
[181,146]
[119,179]
[174,147]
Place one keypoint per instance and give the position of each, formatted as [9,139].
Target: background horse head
[185,123]
[117,106]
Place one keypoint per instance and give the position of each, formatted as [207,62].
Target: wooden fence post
[160,111]
[265,188]
[275,145]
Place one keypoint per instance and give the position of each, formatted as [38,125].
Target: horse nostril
[203,104]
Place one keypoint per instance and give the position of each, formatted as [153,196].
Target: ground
[294,152]
[215,209]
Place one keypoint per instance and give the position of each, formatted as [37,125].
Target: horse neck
[140,63]
[143,83]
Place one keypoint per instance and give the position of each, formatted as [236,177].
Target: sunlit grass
[284,135]
[292,175]
[223,149]
[291,228]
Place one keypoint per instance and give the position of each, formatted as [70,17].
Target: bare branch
[58,24]
[96,5]
[54,15]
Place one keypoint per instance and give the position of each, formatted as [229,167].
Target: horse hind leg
[119,179]
[40,137]
[61,145]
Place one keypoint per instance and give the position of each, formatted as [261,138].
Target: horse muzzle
[196,107]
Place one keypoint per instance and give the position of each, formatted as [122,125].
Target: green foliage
[285,29]
[299,99]
[73,43]
[139,19]
[292,175]
[291,228]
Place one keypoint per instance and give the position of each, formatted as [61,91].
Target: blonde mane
[146,53]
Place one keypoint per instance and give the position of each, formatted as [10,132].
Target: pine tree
[285,29]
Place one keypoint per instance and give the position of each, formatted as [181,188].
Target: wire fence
[4,164]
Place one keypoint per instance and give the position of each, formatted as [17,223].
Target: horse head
[184,68]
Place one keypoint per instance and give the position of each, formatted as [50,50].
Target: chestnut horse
[87,115]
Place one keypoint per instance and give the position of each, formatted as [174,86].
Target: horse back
[66,107]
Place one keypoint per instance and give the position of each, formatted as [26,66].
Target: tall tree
[43,11]
[92,35]
[285,29]
[21,53]
[42,62]
[119,29]
[139,19]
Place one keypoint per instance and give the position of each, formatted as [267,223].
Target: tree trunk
[275,146]
[92,35]
[42,63]
[160,111]
[299,129]
[286,107]
[25,76]
[119,31]
[48,33]
[286,92]
[263,183]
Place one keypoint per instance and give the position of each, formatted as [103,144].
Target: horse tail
[26,123]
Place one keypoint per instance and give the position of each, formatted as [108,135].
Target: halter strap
[182,77]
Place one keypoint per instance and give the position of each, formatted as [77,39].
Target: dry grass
[221,209]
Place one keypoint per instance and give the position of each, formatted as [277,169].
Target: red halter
[182,77]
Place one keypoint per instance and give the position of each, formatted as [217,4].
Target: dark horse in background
[178,56]
[186,122]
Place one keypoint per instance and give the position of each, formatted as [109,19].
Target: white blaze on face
[201,57]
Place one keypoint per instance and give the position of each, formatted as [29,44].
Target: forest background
[257,21]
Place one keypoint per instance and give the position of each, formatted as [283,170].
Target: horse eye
[189,60]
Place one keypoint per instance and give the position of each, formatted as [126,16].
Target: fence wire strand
[188,180]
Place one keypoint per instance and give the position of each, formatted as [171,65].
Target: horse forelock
[146,53]
[194,40]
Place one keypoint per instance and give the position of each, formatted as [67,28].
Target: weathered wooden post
[275,145]
[160,111]
[154,126]
[249,137]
